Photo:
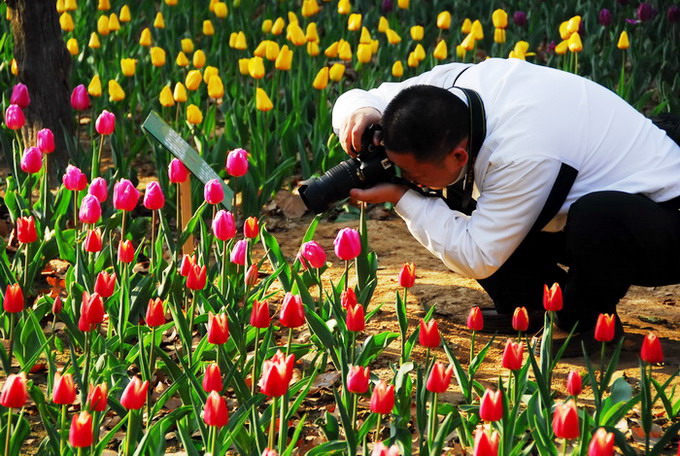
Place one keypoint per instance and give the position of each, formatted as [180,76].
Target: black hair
[426,121]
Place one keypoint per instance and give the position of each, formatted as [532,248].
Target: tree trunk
[44,66]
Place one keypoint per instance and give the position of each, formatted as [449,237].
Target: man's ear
[460,152]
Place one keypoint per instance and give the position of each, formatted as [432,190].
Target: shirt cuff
[409,203]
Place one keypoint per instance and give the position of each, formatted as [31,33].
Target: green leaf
[373,346]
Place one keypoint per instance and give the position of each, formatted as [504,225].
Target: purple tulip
[622,2]
[14,117]
[31,161]
[604,17]
[387,6]
[646,12]
[20,96]
[673,14]
[520,18]
[551,47]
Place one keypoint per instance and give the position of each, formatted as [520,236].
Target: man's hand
[354,126]
[381,193]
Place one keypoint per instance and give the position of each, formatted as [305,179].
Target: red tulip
[292,312]
[407,275]
[238,252]
[14,117]
[45,141]
[177,172]
[355,318]
[80,99]
[565,420]
[188,262]
[574,383]
[259,318]
[605,328]
[155,314]
[348,298]
[105,284]
[520,319]
[347,244]
[223,226]
[125,195]
[439,379]
[14,299]
[14,393]
[513,355]
[81,435]
[218,328]
[26,232]
[602,443]
[312,254]
[105,123]
[153,197]
[382,399]
[126,251]
[31,160]
[491,406]
[475,319]
[134,395]
[57,305]
[485,445]
[276,374]
[357,379]
[213,192]
[90,210]
[237,162]
[197,277]
[215,411]
[93,241]
[99,189]
[552,297]
[97,397]
[20,96]
[381,450]
[64,391]
[212,379]
[251,276]
[251,228]
[91,311]
[651,349]
[74,179]
[429,334]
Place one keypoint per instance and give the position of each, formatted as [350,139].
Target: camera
[370,167]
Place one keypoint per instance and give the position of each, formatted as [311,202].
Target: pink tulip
[31,161]
[20,96]
[99,188]
[347,244]
[106,123]
[223,226]
[237,162]
[153,197]
[177,172]
[125,195]
[14,117]
[213,192]
[46,141]
[80,100]
[90,209]
[238,253]
[312,254]
[74,179]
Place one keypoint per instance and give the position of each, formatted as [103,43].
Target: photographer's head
[425,133]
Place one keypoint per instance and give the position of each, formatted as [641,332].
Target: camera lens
[334,185]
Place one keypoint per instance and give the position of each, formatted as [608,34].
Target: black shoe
[501,323]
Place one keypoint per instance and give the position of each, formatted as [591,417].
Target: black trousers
[612,240]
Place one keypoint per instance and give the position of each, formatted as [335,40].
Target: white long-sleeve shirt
[537,118]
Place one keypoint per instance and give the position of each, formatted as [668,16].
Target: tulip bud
[153,197]
[14,393]
[116,92]
[520,18]
[64,391]
[128,67]
[26,232]
[336,72]
[292,312]
[605,327]
[198,59]
[90,210]
[520,319]
[99,189]
[354,22]
[223,226]
[97,398]
[145,37]
[397,69]
[45,141]
[321,80]
[623,42]
[194,115]
[379,449]
[66,22]
[277,373]
[213,192]
[238,252]
[237,162]
[491,406]
[93,241]
[215,411]
[651,351]
[565,420]
[251,276]
[574,383]
[552,297]
[91,311]
[177,172]
[347,244]
[604,17]
[57,305]
[355,318]
[106,123]
[439,378]
[250,228]
[196,278]
[485,445]
[312,254]
[74,179]
[407,275]
[602,443]
[673,14]
[94,43]
[208,29]
[348,298]
[475,319]
[357,379]
[218,328]
[134,395]
[212,379]
[441,52]
[429,334]
[125,195]
[31,160]
[382,399]
[81,434]
[513,355]
[94,88]
[20,96]
[105,284]
[14,117]
[126,251]
[158,56]
[215,87]
[262,101]
[155,314]
[188,262]
[259,317]
[80,100]
[14,299]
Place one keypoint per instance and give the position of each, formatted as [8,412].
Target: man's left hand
[381,193]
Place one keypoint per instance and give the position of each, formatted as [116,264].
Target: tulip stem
[96,159]
[122,231]
[433,420]
[129,433]
[86,372]
[12,324]
[602,353]
[151,371]
[283,423]
[346,274]
[377,429]
[121,310]
[318,280]
[46,188]
[28,245]
[564,450]
[62,434]
[253,375]
[9,430]
[272,424]
[75,209]
[355,399]
[191,325]
[17,159]
[290,338]
[153,239]
[178,221]
[224,268]
[472,347]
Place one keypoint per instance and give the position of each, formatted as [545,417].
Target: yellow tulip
[393,37]
[417,32]
[332,51]
[466,27]
[193,80]
[94,41]
[232,39]
[562,48]
[444,20]
[469,42]
[403,4]
[211,6]
[477,30]
[70,5]
[243,66]
[14,68]
[165,97]
[365,36]
[208,29]
[209,72]
[157,56]
[94,88]
[575,44]
[241,43]
[295,34]
[278,26]
[72,46]
[262,101]
[412,60]
[336,72]
[564,30]
[573,24]
[215,87]
[623,41]
[310,8]
[500,19]
[311,33]
[159,22]
[194,115]
[397,69]
[116,92]
[261,49]
[104,5]
[375,44]
[180,93]
[125,15]
[171,2]
[127,67]
[419,52]
[292,18]
[256,68]
[198,59]
[499,35]
[114,25]
[66,22]
[441,51]
[221,10]
[461,51]
[61,7]
[267,26]
[321,79]
[181,59]
[364,53]
[383,25]
[103,25]
[145,37]
[521,47]
[271,51]
[354,22]
[344,50]
[284,60]
[187,45]
[313,48]
[344,7]
[516,55]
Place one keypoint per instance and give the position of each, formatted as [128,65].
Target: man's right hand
[354,126]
